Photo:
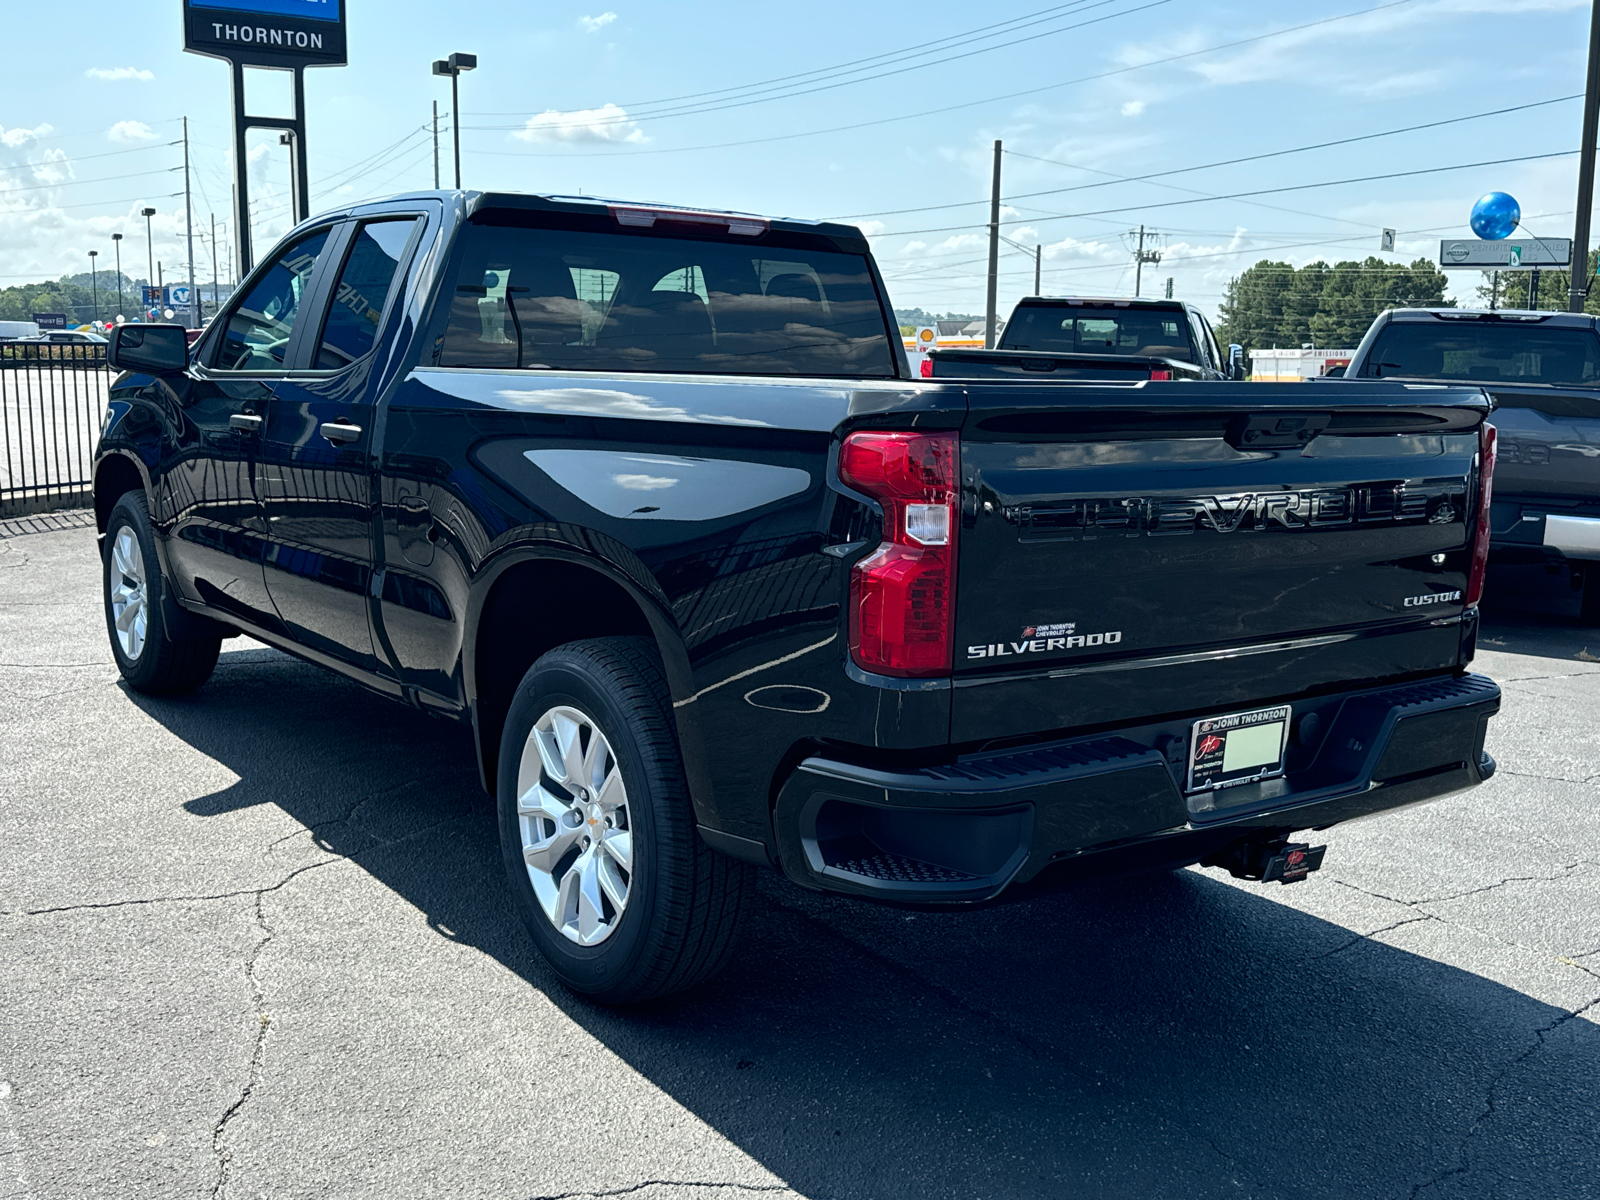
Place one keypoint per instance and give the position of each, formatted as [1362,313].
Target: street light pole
[94,284]
[150,249]
[116,240]
[453,66]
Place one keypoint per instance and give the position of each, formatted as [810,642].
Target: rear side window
[1484,352]
[578,300]
[351,327]
[1097,329]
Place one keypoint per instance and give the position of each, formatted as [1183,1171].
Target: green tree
[1273,304]
[1553,285]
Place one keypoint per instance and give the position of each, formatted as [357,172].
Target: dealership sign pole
[281,35]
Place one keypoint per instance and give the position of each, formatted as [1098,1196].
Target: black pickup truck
[1115,340]
[649,498]
[1542,369]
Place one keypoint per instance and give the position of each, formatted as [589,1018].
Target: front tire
[619,892]
[147,655]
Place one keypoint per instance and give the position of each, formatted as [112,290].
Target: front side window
[584,300]
[1100,329]
[351,327]
[1484,352]
[260,325]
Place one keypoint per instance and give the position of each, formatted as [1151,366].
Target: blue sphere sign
[1496,216]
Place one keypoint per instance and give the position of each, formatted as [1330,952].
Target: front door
[315,458]
[207,503]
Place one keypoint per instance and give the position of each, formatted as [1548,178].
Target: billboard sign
[50,320]
[267,33]
[179,296]
[1507,254]
[155,297]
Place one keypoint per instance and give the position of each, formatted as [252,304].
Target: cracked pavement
[255,942]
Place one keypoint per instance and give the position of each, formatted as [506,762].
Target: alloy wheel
[577,837]
[130,609]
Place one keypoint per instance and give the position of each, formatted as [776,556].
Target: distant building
[1293,366]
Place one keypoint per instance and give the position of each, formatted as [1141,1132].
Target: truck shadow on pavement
[1167,1036]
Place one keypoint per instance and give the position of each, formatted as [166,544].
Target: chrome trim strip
[1172,660]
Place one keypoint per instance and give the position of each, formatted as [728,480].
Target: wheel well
[533,608]
[115,479]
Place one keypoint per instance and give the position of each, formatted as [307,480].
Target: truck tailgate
[1129,552]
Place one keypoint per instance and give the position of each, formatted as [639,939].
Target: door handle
[245,422]
[340,432]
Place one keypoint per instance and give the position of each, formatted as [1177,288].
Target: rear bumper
[1016,820]
[1529,530]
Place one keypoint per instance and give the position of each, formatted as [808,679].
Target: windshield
[1099,329]
[576,300]
[1484,352]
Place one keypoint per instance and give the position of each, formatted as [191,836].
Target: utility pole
[188,224]
[215,299]
[436,145]
[1169,287]
[994,251]
[1494,290]
[1038,262]
[116,240]
[1142,256]
[1578,291]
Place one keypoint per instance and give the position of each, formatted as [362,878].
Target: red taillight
[902,595]
[1159,375]
[927,368]
[1480,536]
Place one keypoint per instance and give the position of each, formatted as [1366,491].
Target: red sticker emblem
[1209,743]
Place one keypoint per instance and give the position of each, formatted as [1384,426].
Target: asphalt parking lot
[254,942]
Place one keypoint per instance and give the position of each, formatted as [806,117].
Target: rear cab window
[1101,328]
[1485,351]
[590,296]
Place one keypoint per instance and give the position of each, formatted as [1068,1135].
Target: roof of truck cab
[473,202]
[1115,301]
[1564,320]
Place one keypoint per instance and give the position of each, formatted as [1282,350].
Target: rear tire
[136,604]
[621,895]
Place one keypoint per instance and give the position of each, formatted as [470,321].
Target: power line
[67,162]
[66,183]
[789,94]
[932,112]
[1227,162]
[1298,187]
[996,29]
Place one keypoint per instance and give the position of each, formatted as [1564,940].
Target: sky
[884,116]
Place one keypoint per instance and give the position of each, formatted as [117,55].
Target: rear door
[1128,552]
[315,454]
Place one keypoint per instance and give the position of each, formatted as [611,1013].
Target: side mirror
[1235,361]
[159,349]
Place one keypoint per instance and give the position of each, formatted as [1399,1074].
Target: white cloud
[21,137]
[118,74]
[608,123]
[1133,108]
[596,24]
[52,168]
[131,131]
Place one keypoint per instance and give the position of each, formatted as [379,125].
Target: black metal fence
[52,404]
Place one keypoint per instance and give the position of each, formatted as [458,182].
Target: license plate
[1238,748]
